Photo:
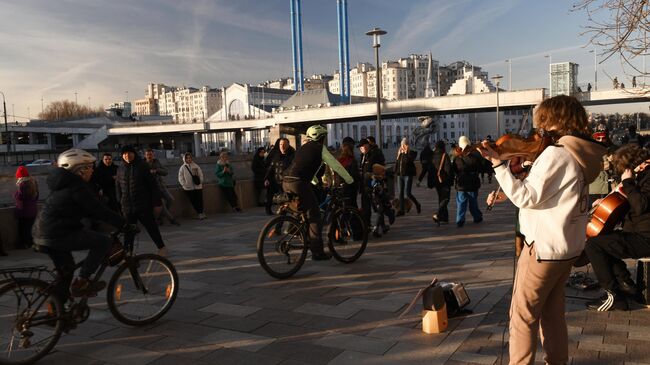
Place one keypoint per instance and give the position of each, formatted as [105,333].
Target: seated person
[606,252]
[59,229]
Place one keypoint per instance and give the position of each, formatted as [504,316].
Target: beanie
[21,172]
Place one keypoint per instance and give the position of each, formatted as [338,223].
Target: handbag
[196,179]
[442,160]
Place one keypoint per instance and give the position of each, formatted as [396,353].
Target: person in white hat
[466,167]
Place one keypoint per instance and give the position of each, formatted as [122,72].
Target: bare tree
[68,110]
[619,27]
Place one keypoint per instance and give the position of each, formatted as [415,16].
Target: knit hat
[21,172]
[405,141]
[463,142]
[127,148]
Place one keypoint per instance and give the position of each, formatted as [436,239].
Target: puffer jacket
[405,164]
[70,200]
[136,188]
[466,168]
[278,162]
[185,173]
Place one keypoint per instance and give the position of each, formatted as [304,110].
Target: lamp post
[595,69]
[550,61]
[497,78]
[4,109]
[509,61]
[376,34]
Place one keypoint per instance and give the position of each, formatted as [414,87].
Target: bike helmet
[73,158]
[316,132]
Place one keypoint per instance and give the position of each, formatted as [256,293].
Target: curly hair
[563,114]
[629,157]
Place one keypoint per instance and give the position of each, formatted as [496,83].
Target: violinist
[606,252]
[552,202]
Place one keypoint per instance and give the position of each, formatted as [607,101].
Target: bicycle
[34,314]
[283,242]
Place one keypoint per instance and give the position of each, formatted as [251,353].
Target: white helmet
[73,158]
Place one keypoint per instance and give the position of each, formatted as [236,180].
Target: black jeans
[25,232]
[271,190]
[405,186]
[98,246]
[425,169]
[308,204]
[229,193]
[366,206]
[606,253]
[149,222]
[196,199]
[444,194]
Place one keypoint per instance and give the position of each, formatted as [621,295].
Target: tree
[618,27]
[68,110]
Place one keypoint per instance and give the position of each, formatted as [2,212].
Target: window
[364,131]
[453,135]
[444,125]
[453,125]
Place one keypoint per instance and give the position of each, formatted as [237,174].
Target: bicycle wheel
[31,321]
[348,236]
[281,247]
[142,289]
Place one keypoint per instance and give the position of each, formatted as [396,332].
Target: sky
[108,51]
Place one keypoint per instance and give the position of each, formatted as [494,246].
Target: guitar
[607,214]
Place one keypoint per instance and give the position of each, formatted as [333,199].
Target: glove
[130,228]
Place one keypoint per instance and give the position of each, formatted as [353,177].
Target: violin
[515,147]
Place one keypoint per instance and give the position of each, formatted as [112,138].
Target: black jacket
[446,172]
[426,155]
[638,195]
[405,164]
[103,178]
[467,169]
[373,156]
[259,171]
[307,161]
[277,163]
[70,200]
[136,187]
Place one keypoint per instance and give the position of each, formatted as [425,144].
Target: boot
[627,287]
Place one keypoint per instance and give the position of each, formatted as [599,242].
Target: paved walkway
[229,311]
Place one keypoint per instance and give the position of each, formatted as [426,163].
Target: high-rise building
[564,78]
[184,104]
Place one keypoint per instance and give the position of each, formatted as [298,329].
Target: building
[149,105]
[564,78]
[471,82]
[184,104]
[314,82]
[120,109]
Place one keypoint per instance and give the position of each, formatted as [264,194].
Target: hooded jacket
[70,200]
[185,177]
[553,199]
[135,187]
[637,190]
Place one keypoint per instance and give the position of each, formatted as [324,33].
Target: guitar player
[606,252]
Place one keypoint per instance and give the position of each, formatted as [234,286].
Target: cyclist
[59,228]
[299,176]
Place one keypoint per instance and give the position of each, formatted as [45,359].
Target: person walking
[226,180]
[552,202]
[426,157]
[190,176]
[405,169]
[26,199]
[467,166]
[161,210]
[370,156]
[278,160]
[441,177]
[104,180]
[137,190]
[259,171]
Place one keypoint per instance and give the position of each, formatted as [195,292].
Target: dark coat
[70,200]
[103,178]
[259,171]
[136,188]
[467,169]
[405,164]
[446,172]
[638,195]
[26,198]
[426,155]
[373,156]
[277,163]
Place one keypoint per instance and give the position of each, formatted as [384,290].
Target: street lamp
[550,61]
[376,34]
[595,70]
[509,61]
[498,79]
[4,109]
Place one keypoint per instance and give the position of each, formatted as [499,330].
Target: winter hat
[21,172]
[405,141]
[127,148]
[463,142]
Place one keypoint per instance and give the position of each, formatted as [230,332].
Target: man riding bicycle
[298,178]
[59,228]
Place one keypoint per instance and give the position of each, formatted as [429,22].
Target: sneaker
[460,224]
[174,222]
[390,213]
[81,287]
[376,233]
[201,216]
[478,220]
[320,256]
[418,208]
[611,302]
[163,251]
[385,229]
[435,219]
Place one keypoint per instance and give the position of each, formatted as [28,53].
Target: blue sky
[104,49]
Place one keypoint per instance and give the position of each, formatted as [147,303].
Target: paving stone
[303,352]
[356,343]
[593,346]
[239,357]
[236,340]
[230,309]
[474,358]
[336,311]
